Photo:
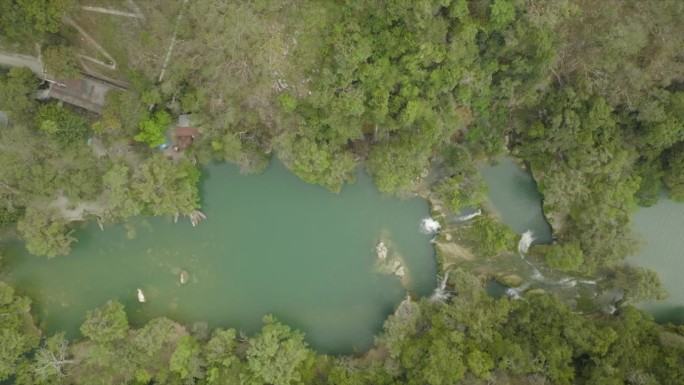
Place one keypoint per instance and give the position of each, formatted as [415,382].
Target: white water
[525,242]
[429,226]
[441,294]
[468,217]
[516,292]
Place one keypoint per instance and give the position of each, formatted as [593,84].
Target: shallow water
[271,244]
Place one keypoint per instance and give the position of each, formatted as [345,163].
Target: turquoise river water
[272,244]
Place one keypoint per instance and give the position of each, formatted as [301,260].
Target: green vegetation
[472,339]
[588,93]
[488,236]
[60,61]
[566,256]
[18,336]
[17,93]
[153,128]
[22,19]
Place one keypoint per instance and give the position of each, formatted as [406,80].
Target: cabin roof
[187,131]
[84,93]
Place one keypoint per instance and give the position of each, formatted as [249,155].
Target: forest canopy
[588,94]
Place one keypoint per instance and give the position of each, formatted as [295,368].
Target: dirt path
[112,63]
[173,41]
[15,60]
[112,12]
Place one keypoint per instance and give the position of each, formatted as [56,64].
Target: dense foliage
[589,94]
[471,339]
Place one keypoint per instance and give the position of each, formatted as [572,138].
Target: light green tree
[186,360]
[17,93]
[106,324]
[152,129]
[18,336]
[117,186]
[162,187]
[277,355]
[565,256]
[45,232]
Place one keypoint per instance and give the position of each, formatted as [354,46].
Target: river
[272,244]
[662,229]
[514,197]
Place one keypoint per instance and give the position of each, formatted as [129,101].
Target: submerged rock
[400,272]
[141,296]
[398,269]
[381,250]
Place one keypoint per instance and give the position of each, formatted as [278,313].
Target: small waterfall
[429,226]
[467,217]
[441,294]
[514,293]
[525,242]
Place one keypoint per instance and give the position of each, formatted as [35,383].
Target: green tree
[640,284]
[20,19]
[63,125]
[502,14]
[489,236]
[122,113]
[152,129]
[117,185]
[17,94]
[186,360]
[107,324]
[480,363]
[45,232]
[277,355]
[319,163]
[162,187]
[566,256]
[674,173]
[18,336]
[223,366]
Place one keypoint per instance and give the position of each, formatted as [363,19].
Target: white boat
[141,296]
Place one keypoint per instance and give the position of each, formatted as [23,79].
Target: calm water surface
[662,227]
[513,194]
[271,244]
